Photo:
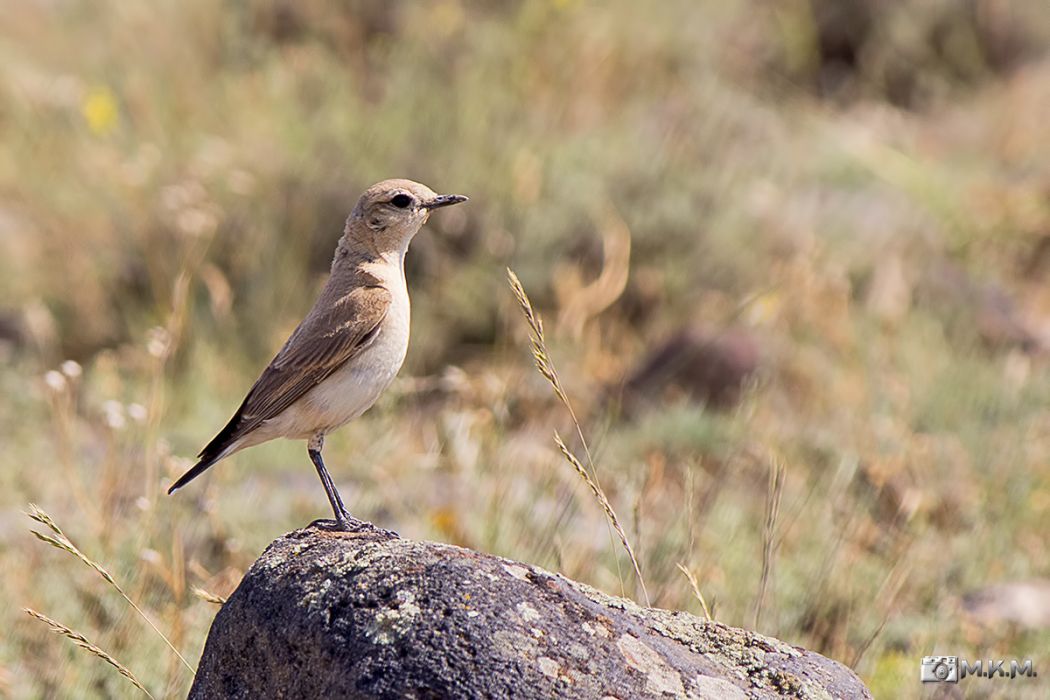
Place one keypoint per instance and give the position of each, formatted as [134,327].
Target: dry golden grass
[546,368]
[774,495]
[85,644]
[59,540]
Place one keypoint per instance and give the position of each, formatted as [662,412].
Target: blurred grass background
[855,195]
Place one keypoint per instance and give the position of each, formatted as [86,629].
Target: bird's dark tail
[212,453]
[198,469]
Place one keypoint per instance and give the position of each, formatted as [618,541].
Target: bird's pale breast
[353,388]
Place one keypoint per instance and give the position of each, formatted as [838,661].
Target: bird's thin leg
[342,516]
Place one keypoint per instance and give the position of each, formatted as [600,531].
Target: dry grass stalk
[537,340]
[885,600]
[696,589]
[208,596]
[590,474]
[85,644]
[60,541]
[610,514]
[170,336]
[774,493]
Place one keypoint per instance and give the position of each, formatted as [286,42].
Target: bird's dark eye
[401,201]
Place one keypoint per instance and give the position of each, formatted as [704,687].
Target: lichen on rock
[367,615]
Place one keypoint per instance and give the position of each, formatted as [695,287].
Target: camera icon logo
[939,669]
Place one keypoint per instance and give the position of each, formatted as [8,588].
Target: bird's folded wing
[339,327]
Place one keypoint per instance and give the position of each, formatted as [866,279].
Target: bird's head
[391,212]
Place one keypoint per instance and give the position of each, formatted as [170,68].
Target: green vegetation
[859,194]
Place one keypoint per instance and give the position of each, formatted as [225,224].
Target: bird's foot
[348,523]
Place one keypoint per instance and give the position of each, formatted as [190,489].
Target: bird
[350,345]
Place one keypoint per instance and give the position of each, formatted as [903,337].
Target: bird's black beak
[444,200]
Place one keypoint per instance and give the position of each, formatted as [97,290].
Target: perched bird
[350,345]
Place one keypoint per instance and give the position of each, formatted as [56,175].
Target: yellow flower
[765,308]
[100,110]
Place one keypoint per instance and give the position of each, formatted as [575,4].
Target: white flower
[114,414]
[150,556]
[157,345]
[55,381]
[137,412]
[72,369]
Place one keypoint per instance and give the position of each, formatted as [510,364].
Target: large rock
[368,615]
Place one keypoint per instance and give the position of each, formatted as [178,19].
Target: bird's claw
[348,523]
